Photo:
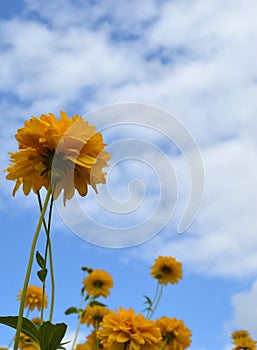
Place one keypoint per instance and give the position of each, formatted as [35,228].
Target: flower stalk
[29,268]
[48,249]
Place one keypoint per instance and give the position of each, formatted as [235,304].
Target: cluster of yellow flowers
[67,154]
[124,328]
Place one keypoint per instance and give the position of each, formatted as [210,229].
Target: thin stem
[164,344]
[79,323]
[154,299]
[157,301]
[125,346]
[27,277]
[48,249]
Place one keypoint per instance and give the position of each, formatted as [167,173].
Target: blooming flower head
[240,334]
[34,298]
[126,327]
[37,321]
[98,283]
[167,270]
[93,315]
[67,152]
[174,333]
[242,340]
[26,343]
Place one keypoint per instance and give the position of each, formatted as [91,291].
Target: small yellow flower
[244,343]
[125,327]
[74,146]
[174,333]
[167,270]
[242,340]
[98,283]
[26,343]
[80,347]
[240,334]
[37,321]
[34,298]
[93,315]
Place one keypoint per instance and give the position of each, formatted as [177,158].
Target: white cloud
[70,335]
[223,240]
[244,313]
[70,58]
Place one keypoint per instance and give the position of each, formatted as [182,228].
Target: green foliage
[149,302]
[27,327]
[41,263]
[71,310]
[96,303]
[42,274]
[49,336]
[40,260]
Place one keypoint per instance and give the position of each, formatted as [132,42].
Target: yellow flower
[240,334]
[245,343]
[26,343]
[37,321]
[125,327]
[242,340]
[74,148]
[98,283]
[92,343]
[93,315]
[34,298]
[174,333]
[167,270]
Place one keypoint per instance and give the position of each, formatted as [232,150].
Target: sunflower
[174,333]
[167,270]
[34,298]
[93,315]
[65,153]
[98,283]
[125,328]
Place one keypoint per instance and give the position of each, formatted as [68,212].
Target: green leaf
[40,260]
[27,327]
[148,300]
[71,310]
[95,302]
[50,335]
[42,275]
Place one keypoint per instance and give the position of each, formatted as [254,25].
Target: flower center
[169,336]
[166,269]
[98,284]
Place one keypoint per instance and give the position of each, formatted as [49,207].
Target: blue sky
[195,60]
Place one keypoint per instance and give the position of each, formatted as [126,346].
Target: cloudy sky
[192,61]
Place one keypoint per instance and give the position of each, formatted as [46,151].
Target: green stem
[157,301]
[29,268]
[154,299]
[79,323]
[48,249]
[164,344]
